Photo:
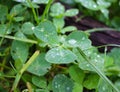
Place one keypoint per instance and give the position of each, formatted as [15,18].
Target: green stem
[99,29]
[97,70]
[34,13]
[46,10]
[19,74]
[19,39]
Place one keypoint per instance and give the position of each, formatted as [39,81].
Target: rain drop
[72,41]
[33,28]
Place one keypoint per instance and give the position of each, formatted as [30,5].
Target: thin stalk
[25,66]
[34,13]
[19,39]
[46,10]
[99,29]
[98,71]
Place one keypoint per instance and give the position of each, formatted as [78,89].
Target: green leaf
[115,55]
[60,56]
[17,9]
[103,4]
[2,29]
[105,13]
[71,12]
[57,10]
[61,83]
[3,12]
[40,82]
[27,28]
[68,29]
[76,74]
[91,81]
[90,4]
[19,50]
[104,87]
[59,23]
[96,59]
[40,66]
[40,1]
[108,61]
[18,19]
[78,39]
[117,84]
[46,32]
[115,22]
[77,87]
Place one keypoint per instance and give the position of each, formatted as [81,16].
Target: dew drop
[87,65]
[68,88]
[83,38]
[72,41]
[33,28]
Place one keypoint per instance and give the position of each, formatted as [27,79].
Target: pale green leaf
[27,28]
[68,29]
[78,39]
[40,82]
[19,50]
[3,12]
[71,12]
[61,83]
[40,66]
[46,32]
[57,10]
[60,56]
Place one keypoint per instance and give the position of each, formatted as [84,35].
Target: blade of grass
[25,66]
[46,10]
[98,71]
[19,39]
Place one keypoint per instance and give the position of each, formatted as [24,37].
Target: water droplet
[87,65]
[33,28]
[42,30]
[68,88]
[83,38]
[46,35]
[72,41]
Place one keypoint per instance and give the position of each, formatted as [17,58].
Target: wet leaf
[57,12]
[76,74]
[91,81]
[19,50]
[46,32]
[61,83]
[68,29]
[60,56]
[71,12]
[40,66]
[3,12]
[27,28]
[40,82]
[78,39]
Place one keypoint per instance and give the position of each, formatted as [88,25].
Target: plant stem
[34,13]
[98,71]
[46,10]
[99,29]
[25,66]
[19,39]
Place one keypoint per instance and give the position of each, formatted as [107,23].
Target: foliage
[41,53]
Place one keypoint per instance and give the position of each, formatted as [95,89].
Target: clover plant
[42,54]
